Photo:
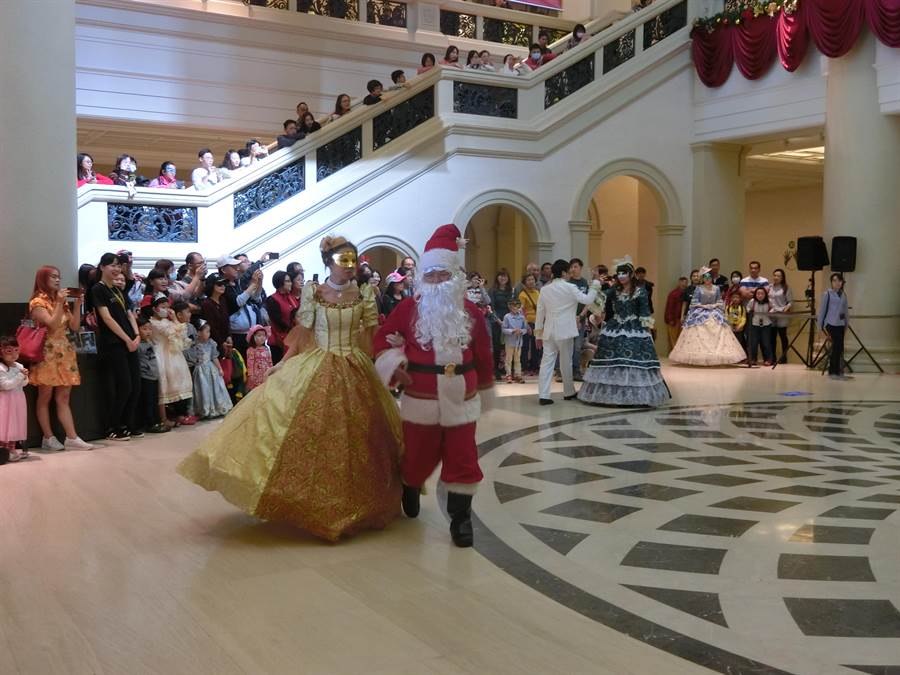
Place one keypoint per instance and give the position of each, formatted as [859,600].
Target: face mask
[160,312]
[735,280]
[173,276]
[245,161]
[579,35]
[535,55]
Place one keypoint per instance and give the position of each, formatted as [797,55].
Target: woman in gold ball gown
[318,444]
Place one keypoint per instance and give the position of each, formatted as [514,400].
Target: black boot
[410,501]
[460,509]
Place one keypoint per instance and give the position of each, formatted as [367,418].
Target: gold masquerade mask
[344,259]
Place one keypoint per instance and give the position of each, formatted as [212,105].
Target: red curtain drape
[833,25]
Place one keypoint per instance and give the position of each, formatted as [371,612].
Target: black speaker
[843,254]
[812,254]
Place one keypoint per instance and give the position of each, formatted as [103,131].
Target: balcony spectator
[428,62]
[302,109]
[398,77]
[290,136]
[473,60]
[486,63]
[513,66]
[579,35]
[308,124]
[167,178]
[55,376]
[375,89]
[537,58]
[341,107]
[256,150]
[205,176]
[230,164]
[125,174]
[638,5]
[451,58]
[281,307]
[84,172]
[544,42]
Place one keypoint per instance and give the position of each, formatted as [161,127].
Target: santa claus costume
[437,344]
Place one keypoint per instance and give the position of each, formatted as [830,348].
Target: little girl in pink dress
[13,411]
[259,357]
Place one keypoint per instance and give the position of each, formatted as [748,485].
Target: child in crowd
[736,315]
[259,357]
[760,327]
[149,401]
[210,393]
[234,370]
[175,385]
[514,327]
[183,315]
[13,410]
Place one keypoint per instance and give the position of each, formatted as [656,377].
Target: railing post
[598,62]
[292,5]
[368,134]
[479,27]
[363,11]
[443,96]
[428,16]
[639,38]
[309,170]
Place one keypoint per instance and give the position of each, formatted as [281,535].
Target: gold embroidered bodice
[336,326]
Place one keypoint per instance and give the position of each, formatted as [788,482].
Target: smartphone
[74,291]
[274,255]
[315,278]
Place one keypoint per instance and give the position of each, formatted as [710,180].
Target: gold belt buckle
[450,369]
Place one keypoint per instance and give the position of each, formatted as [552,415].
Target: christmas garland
[744,11]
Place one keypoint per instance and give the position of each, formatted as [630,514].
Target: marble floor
[750,526]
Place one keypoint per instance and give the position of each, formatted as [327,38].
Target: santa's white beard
[442,321]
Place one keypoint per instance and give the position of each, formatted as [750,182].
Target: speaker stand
[862,348]
[811,358]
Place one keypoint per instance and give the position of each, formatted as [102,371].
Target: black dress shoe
[459,507]
[570,398]
[545,401]
[410,501]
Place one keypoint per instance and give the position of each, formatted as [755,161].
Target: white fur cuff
[387,362]
[462,488]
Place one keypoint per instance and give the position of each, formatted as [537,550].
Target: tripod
[811,358]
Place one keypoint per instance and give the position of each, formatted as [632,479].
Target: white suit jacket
[556,315]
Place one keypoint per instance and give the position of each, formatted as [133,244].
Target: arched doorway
[499,236]
[385,253]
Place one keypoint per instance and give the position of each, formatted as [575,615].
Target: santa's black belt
[449,370]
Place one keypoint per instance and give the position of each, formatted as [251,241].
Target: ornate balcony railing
[568,81]
[459,25]
[270,191]
[482,99]
[618,52]
[403,117]
[272,4]
[508,32]
[663,25]
[337,9]
[139,222]
[386,13]
[338,154]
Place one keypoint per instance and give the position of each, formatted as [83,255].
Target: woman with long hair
[780,300]
[341,106]
[318,443]
[501,293]
[84,171]
[427,62]
[55,376]
[281,307]
[308,124]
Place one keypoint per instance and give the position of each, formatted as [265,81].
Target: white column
[541,252]
[718,206]
[862,194]
[669,266]
[37,137]
[579,236]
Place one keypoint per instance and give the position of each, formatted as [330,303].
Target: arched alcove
[385,252]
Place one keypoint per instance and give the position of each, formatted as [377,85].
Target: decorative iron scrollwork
[142,222]
[481,99]
[568,81]
[338,9]
[618,52]
[386,13]
[269,191]
[664,24]
[507,32]
[402,117]
[458,25]
[336,154]
[272,4]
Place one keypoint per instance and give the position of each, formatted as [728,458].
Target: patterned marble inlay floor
[737,536]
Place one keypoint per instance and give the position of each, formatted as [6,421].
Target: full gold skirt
[317,445]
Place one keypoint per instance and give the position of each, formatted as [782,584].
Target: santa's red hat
[443,250]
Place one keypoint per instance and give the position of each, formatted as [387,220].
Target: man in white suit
[556,327]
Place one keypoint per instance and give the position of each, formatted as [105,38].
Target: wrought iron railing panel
[386,13]
[664,24]
[273,4]
[507,32]
[458,25]
[338,9]
[481,99]
[403,117]
[568,81]
[618,52]
[259,197]
[339,153]
[139,222]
